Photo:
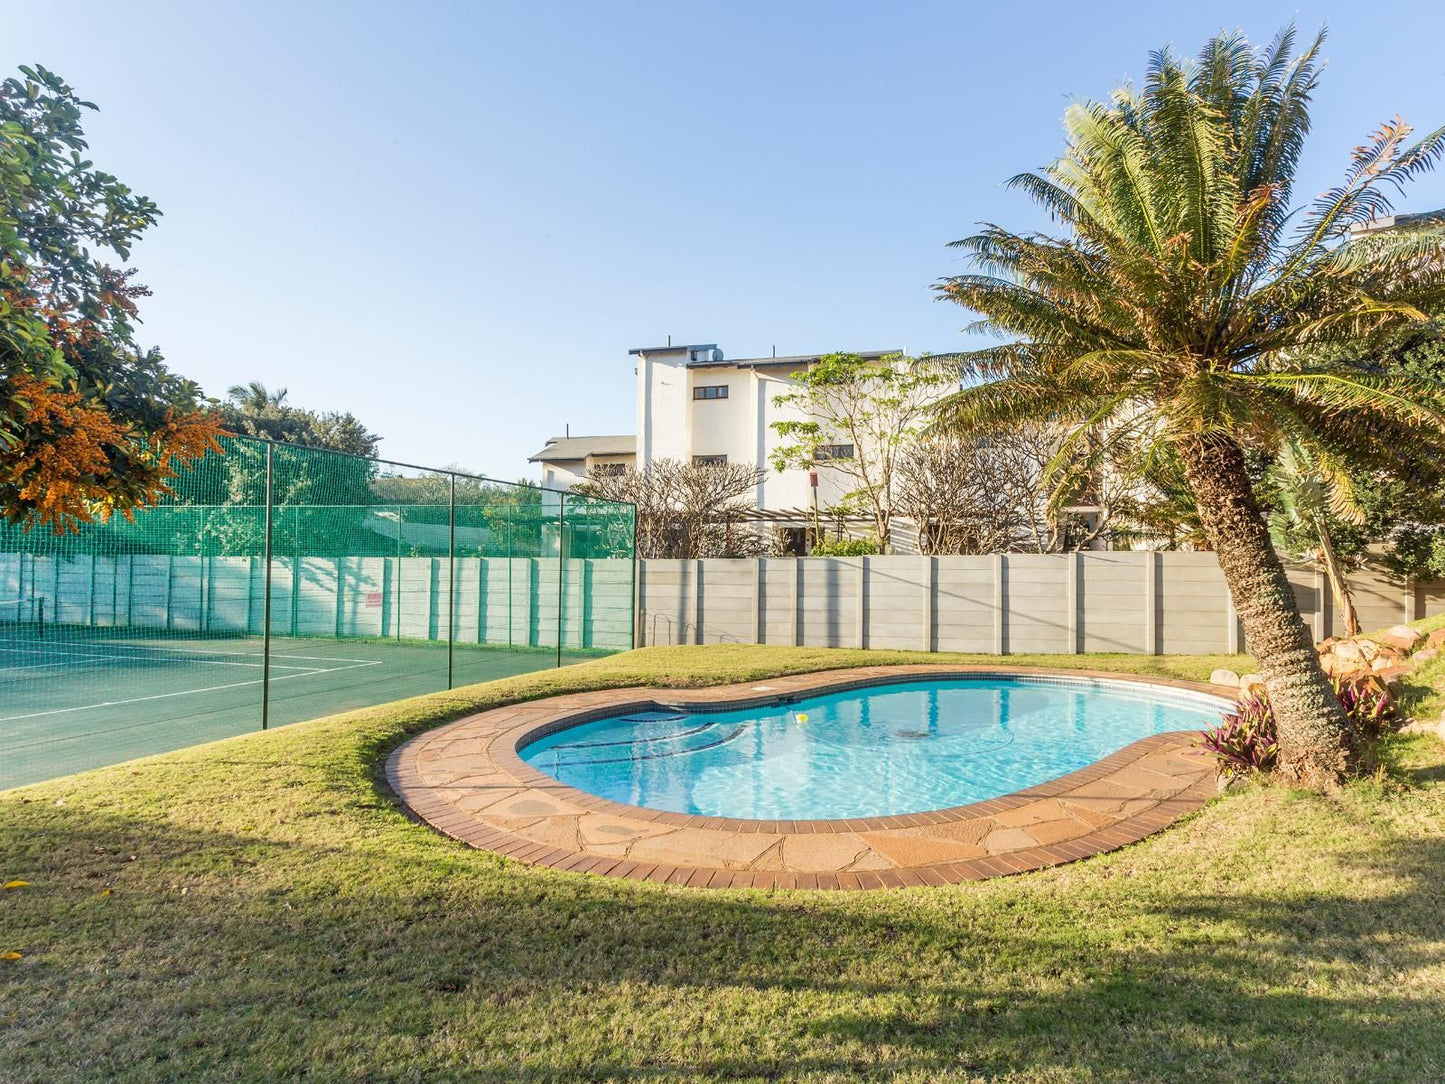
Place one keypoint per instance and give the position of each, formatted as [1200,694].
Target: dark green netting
[385,581]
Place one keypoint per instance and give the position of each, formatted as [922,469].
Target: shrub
[1245,740]
[1366,700]
[846,547]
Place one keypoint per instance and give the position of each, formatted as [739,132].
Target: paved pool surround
[466,779]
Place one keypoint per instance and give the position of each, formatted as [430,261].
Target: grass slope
[256,910]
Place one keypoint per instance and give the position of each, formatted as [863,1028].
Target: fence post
[636,594]
[451,569]
[861,617]
[1000,581]
[797,600]
[561,566]
[266,608]
[1075,571]
[1151,602]
[697,601]
[930,580]
[400,526]
[295,570]
[760,632]
[484,584]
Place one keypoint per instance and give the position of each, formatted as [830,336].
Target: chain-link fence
[281,583]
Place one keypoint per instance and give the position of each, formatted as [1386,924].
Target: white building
[568,460]
[696,405]
[693,404]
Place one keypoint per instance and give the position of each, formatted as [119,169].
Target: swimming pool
[883,750]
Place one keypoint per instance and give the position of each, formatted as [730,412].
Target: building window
[834,451]
[710,391]
[608,470]
[709,460]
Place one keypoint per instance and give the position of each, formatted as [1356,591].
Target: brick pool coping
[466,780]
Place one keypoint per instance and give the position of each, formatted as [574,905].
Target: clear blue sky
[455,219]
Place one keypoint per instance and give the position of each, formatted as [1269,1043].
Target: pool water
[879,751]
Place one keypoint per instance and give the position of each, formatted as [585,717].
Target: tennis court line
[122,651]
[7,669]
[162,658]
[182,692]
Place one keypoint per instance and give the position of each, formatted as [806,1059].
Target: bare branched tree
[688,511]
[980,495]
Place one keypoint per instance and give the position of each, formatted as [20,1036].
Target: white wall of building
[663,396]
[563,475]
[672,424]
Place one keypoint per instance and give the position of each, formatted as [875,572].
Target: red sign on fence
[373,600]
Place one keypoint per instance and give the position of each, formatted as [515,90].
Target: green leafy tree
[514,521]
[321,500]
[255,410]
[1305,501]
[90,422]
[1404,515]
[1179,314]
[872,408]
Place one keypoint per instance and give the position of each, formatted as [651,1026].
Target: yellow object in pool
[798,715]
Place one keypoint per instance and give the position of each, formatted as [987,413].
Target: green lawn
[256,909]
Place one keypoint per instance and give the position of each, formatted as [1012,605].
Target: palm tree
[1179,318]
[1305,496]
[255,397]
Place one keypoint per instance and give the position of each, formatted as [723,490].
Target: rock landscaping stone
[1224,677]
[1348,655]
[1403,637]
[1418,727]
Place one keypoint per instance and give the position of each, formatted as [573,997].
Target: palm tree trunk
[1317,742]
[1338,584]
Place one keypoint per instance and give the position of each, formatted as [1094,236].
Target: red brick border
[467,780]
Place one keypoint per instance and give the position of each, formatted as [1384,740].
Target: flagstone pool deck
[466,779]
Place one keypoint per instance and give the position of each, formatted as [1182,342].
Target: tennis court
[377,580]
[87,700]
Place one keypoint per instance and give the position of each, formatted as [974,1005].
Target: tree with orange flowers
[90,423]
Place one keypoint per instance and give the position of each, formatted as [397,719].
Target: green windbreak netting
[383,581]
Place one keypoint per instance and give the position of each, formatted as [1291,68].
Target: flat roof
[1417,220]
[791,361]
[672,349]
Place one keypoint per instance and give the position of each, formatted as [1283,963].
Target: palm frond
[1185,290]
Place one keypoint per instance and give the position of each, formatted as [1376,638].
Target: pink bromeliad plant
[1245,739]
[1366,700]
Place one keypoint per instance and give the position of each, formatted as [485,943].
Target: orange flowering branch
[62,471]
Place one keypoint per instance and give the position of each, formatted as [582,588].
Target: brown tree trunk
[1338,584]
[1317,742]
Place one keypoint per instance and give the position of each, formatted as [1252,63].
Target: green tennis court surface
[77,699]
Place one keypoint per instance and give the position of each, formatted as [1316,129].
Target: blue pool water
[880,751]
